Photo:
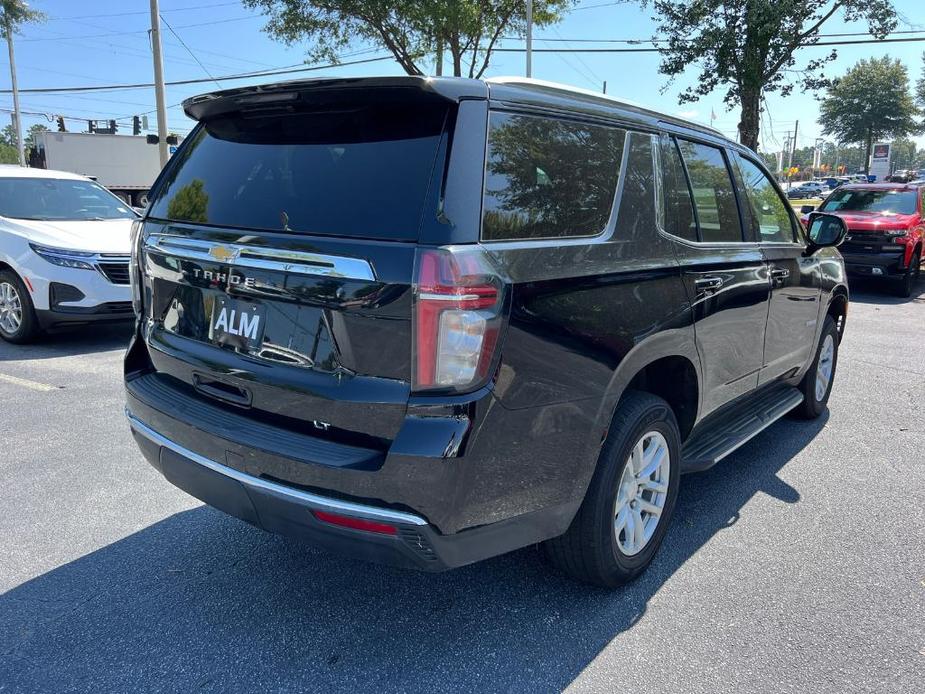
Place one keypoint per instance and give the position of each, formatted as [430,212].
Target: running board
[731,429]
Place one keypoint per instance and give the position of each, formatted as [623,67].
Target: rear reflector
[355,523]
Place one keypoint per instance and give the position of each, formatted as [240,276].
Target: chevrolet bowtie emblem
[223,254]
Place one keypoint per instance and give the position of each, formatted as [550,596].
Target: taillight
[458,303]
[134,266]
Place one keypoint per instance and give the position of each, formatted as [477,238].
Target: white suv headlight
[80,260]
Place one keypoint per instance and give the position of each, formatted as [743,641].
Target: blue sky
[105,42]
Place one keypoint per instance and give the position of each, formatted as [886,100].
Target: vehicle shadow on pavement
[67,343]
[868,291]
[203,601]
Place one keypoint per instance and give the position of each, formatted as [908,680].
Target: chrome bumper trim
[314,501]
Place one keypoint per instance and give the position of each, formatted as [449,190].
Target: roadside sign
[173,149]
[880,160]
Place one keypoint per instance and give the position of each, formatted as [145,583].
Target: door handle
[780,273]
[709,284]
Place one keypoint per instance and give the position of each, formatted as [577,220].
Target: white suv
[64,252]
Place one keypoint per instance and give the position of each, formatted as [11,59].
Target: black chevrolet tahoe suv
[428,321]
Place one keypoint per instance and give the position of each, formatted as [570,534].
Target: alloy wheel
[824,367]
[10,308]
[642,493]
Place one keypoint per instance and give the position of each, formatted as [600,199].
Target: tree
[412,30]
[871,102]
[920,86]
[749,47]
[37,128]
[904,154]
[190,203]
[8,154]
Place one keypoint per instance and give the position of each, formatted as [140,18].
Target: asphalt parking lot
[796,565]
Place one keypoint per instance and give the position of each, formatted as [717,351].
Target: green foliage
[920,87]
[748,47]
[30,136]
[8,154]
[871,102]
[906,155]
[190,203]
[411,30]
[8,136]
[14,13]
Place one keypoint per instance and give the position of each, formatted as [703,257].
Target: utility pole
[790,141]
[793,146]
[605,86]
[17,125]
[529,38]
[159,84]
[439,57]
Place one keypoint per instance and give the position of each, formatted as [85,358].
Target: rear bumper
[279,508]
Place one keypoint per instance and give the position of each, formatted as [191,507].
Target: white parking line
[32,385]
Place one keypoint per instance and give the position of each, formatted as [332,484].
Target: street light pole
[529,38]
[159,84]
[17,125]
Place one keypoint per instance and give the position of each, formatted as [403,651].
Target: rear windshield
[360,171]
[880,201]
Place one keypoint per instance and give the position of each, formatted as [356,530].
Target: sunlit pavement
[796,565]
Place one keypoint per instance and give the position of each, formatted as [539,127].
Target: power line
[243,75]
[642,41]
[192,55]
[658,50]
[126,14]
[143,31]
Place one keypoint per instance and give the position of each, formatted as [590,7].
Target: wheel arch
[838,309]
[666,365]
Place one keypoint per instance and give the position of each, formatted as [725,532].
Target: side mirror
[806,209]
[825,231]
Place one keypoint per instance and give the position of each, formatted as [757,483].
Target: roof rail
[545,85]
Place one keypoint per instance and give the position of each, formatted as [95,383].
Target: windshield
[57,199]
[351,170]
[880,201]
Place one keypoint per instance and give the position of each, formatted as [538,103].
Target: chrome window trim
[258,257]
[305,498]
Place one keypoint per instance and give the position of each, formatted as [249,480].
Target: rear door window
[549,177]
[679,208]
[765,211]
[711,185]
[350,170]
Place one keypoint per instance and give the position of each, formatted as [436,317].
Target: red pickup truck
[886,228]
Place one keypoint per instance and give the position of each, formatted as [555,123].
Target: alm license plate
[236,323]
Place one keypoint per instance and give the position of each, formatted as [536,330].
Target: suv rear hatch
[278,254]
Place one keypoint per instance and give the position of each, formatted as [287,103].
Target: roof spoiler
[288,96]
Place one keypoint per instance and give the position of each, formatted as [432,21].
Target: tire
[18,323]
[911,278]
[594,549]
[816,397]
